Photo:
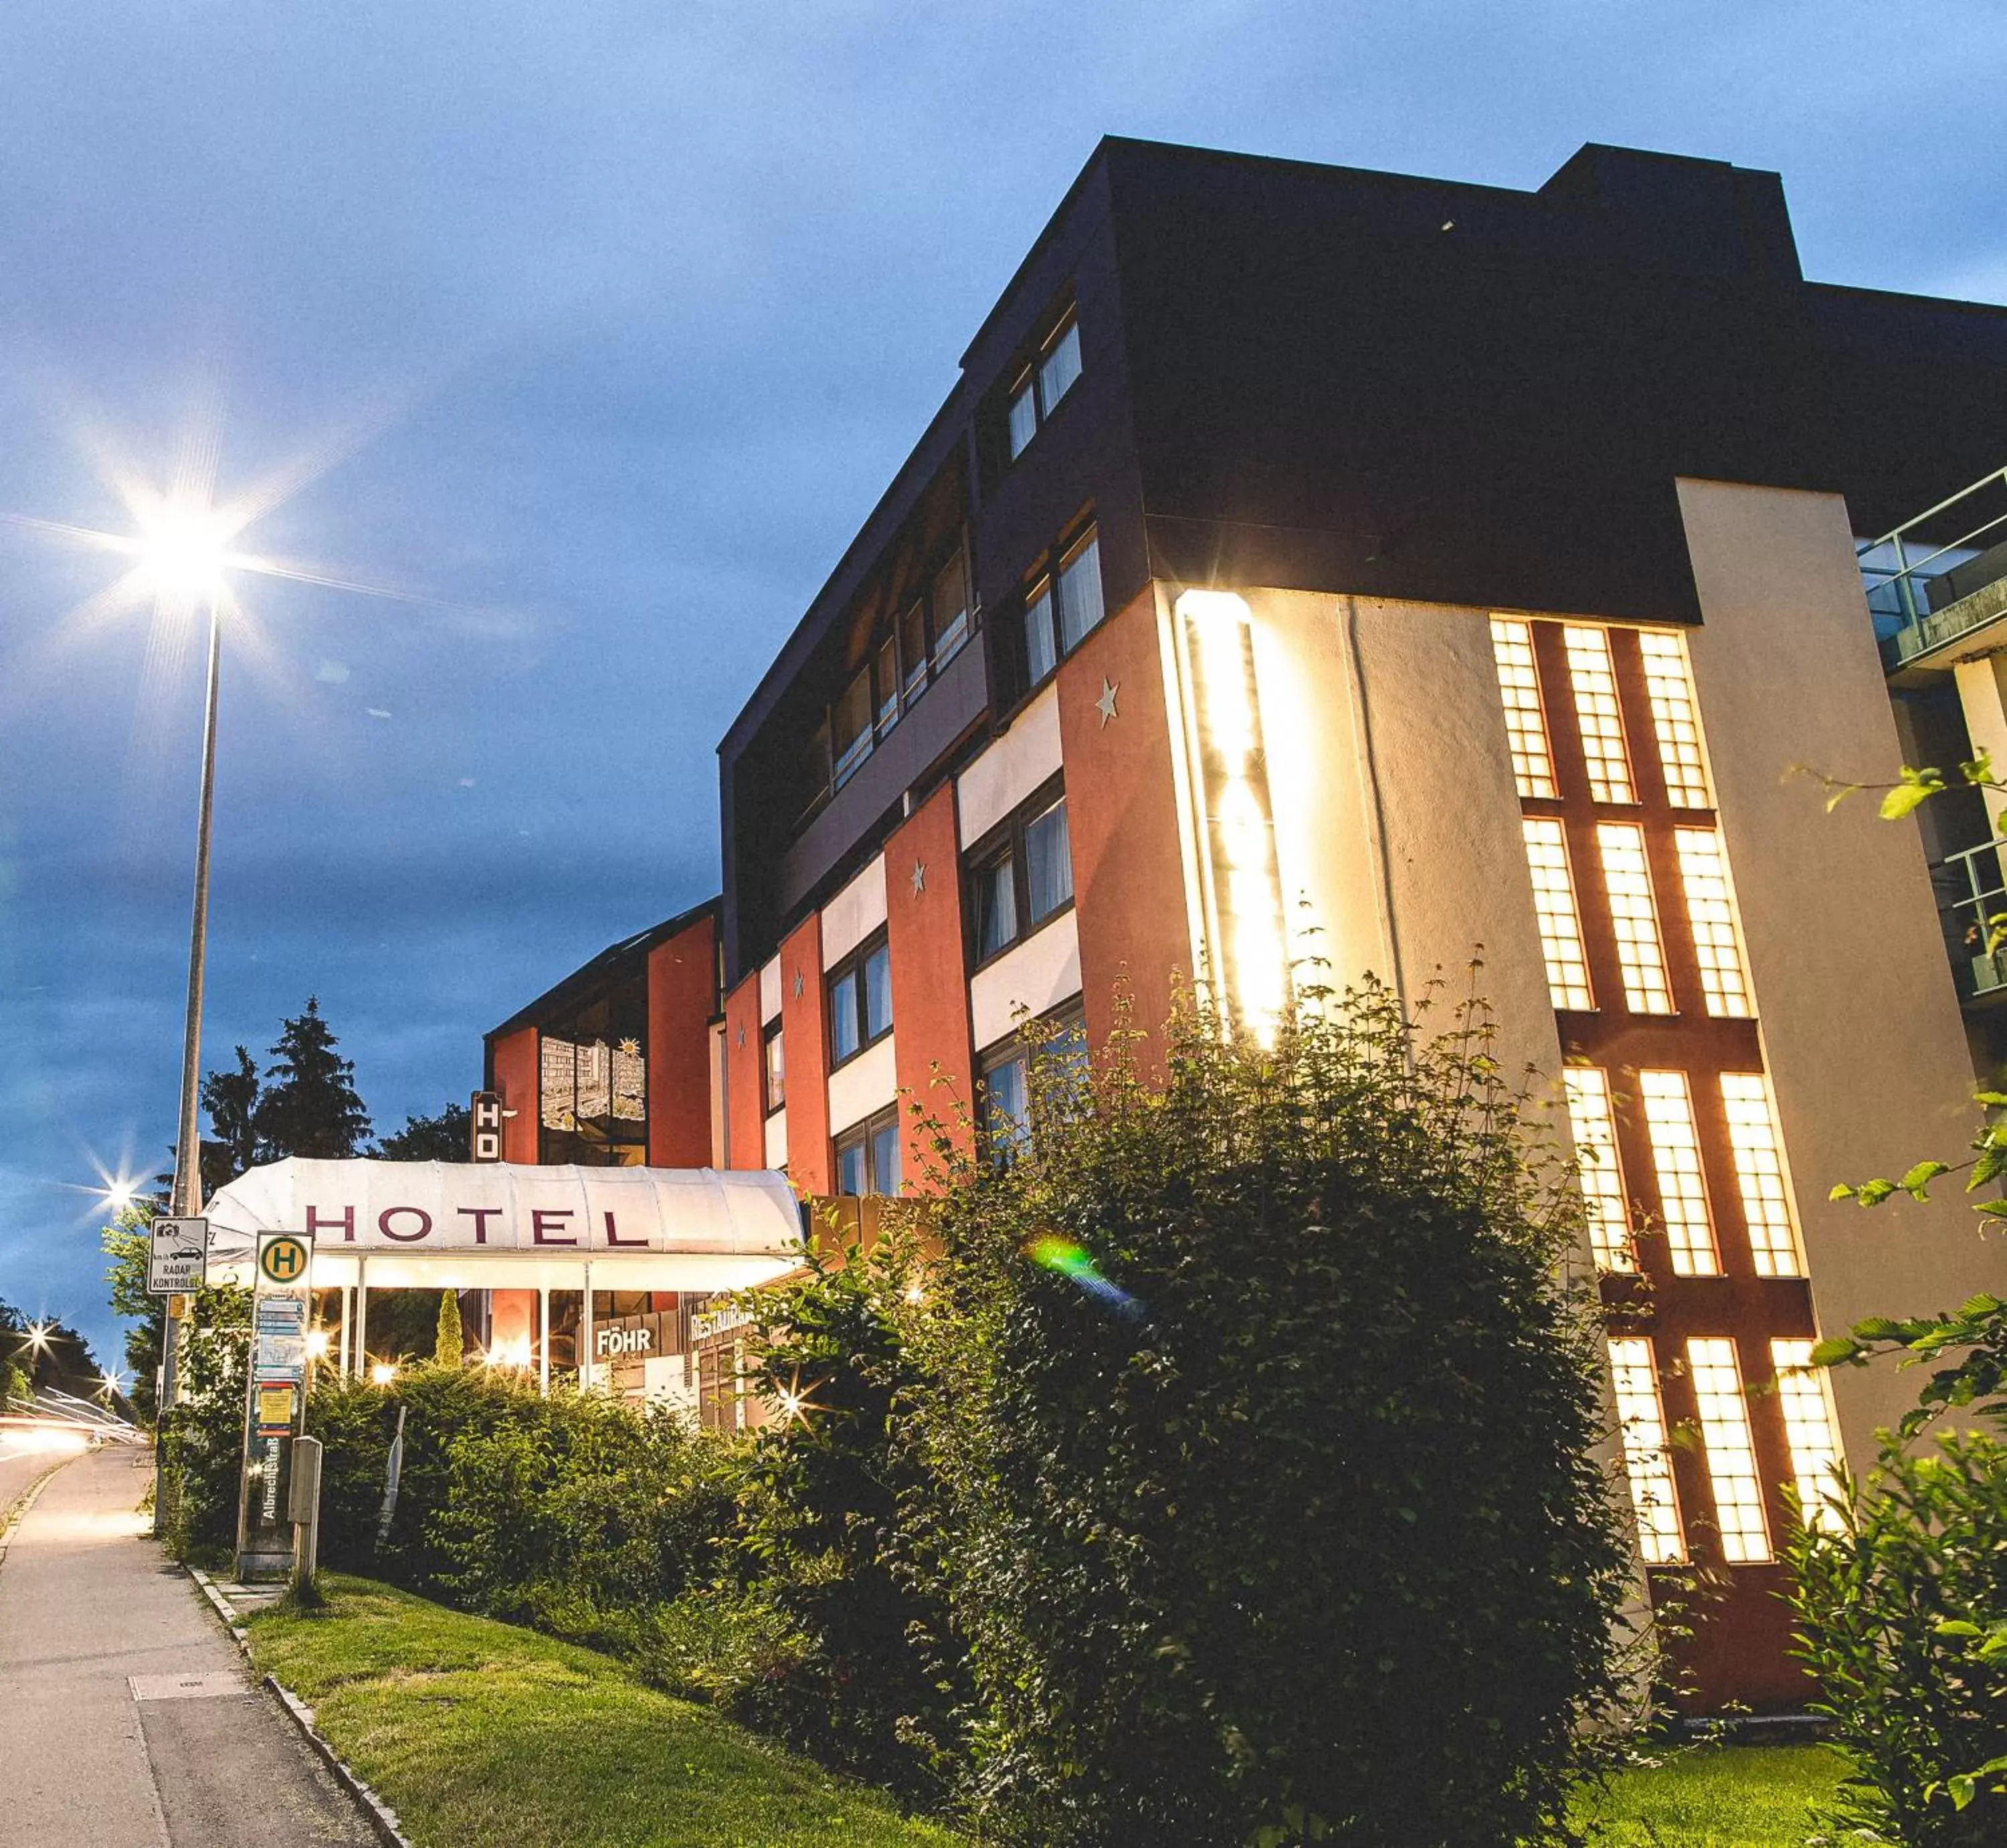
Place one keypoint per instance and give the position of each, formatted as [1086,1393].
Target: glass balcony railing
[1972,896]
[1940,575]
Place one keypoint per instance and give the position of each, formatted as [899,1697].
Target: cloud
[375,712]
[332,673]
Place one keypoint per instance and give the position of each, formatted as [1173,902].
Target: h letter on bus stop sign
[177,1256]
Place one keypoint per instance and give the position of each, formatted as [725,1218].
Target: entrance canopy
[502,1225]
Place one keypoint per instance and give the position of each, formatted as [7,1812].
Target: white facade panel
[777,1140]
[848,919]
[770,993]
[1012,767]
[1037,975]
[867,1083]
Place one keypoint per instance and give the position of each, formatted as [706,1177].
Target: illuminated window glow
[1595,1156]
[1759,1174]
[1807,1402]
[1711,911]
[1675,719]
[1628,879]
[1669,1122]
[1597,712]
[1731,1454]
[1525,726]
[1554,910]
[1647,1463]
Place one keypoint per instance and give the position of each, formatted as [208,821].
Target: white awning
[500,1225]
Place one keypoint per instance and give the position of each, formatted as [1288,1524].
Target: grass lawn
[1717,1796]
[479,1733]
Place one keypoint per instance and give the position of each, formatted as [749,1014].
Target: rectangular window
[1042,652]
[860,1000]
[776,1068]
[1596,711]
[1048,863]
[1036,391]
[867,1157]
[1081,608]
[1675,719]
[950,606]
[888,684]
[1595,1130]
[1059,367]
[850,719]
[1525,726]
[1759,1174]
[1554,911]
[1020,875]
[1641,1418]
[1806,1399]
[1731,1453]
[1724,980]
[1669,1122]
[913,652]
[1007,1105]
[1628,879]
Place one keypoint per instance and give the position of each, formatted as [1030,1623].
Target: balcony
[1936,586]
[1970,894]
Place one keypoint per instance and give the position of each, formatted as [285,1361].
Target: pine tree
[449,1136]
[232,1100]
[448,1349]
[310,1106]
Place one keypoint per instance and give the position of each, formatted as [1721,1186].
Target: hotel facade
[1313,563]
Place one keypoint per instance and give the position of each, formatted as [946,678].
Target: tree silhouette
[447,1138]
[309,1106]
[232,1100]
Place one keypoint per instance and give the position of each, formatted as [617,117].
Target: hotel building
[1313,563]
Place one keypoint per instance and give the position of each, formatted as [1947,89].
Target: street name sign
[176,1256]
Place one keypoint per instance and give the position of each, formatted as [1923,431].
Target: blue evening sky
[594,329]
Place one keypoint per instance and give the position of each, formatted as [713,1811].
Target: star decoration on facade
[741,1037]
[798,984]
[1105,704]
[919,877]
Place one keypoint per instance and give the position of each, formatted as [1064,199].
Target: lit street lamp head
[183,548]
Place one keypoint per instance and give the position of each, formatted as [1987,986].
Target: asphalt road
[20,1463]
[127,1716]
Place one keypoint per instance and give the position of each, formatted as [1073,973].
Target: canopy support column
[585,1332]
[348,1328]
[361,1351]
[544,1339]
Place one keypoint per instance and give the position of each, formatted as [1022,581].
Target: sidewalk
[127,1719]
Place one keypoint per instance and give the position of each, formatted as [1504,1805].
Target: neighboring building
[1316,563]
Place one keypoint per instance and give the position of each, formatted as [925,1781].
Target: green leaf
[1842,1192]
[1959,1626]
[1916,1182]
[1993,1100]
[1837,793]
[1835,1350]
[1872,1193]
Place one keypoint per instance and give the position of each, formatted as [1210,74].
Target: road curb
[381,1817]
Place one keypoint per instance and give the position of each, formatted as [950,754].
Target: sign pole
[275,1402]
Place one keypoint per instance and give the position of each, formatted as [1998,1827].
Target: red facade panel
[1128,867]
[745,1107]
[923,926]
[805,1045]
[682,978]
[516,1078]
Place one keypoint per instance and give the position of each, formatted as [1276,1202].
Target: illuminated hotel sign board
[1232,824]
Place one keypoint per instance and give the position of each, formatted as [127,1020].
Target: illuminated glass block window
[1554,910]
[1759,1174]
[1669,1122]
[1731,1454]
[1642,1419]
[1628,879]
[1724,981]
[1596,711]
[1595,1156]
[1525,726]
[1675,719]
[1810,1428]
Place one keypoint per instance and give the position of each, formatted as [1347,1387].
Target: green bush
[203,1436]
[1258,1433]
[1903,1615]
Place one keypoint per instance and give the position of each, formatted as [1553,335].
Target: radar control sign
[177,1256]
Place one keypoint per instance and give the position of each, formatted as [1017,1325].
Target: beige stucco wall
[1860,1025]
[1397,823]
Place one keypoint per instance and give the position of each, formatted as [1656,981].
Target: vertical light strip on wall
[1675,719]
[1759,1174]
[1597,712]
[1806,1400]
[1626,877]
[1669,1122]
[1235,825]
[1526,725]
[1724,980]
[1554,910]
[1595,1131]
[1647,1463]
[1731,1453]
